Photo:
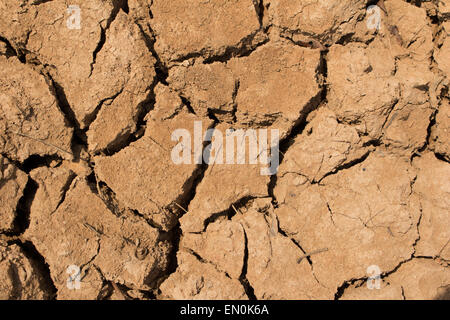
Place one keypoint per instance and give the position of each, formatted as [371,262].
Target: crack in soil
[341,289]
[40,265]
[118,5]
[249,290]
[79,142]
[297,129]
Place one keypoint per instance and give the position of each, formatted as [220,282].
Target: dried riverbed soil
[92,205]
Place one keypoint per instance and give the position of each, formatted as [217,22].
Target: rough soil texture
[87,180]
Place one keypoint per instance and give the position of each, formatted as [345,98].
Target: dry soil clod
[89,119]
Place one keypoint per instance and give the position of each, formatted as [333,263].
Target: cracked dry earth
[87,180]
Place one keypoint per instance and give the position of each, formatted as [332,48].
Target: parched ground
[92,205]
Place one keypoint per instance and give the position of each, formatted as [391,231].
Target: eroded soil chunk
[20,278]
[30,121]
[240,149]
[186,28]
[12,186]
[89,234]
[364,212]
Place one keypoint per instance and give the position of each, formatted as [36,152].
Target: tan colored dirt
[98,100]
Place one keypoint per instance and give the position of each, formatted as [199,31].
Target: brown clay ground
[86,117]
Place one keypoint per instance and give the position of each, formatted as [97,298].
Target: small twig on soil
[390,231]
[44,142]
[123,294]
[49,145]
[440,252]
[382,6]
[156,142]
[311,253]
[181,207]
[87,225]
[215,158]
[235,210]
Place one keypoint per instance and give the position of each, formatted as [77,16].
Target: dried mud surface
[87,179]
